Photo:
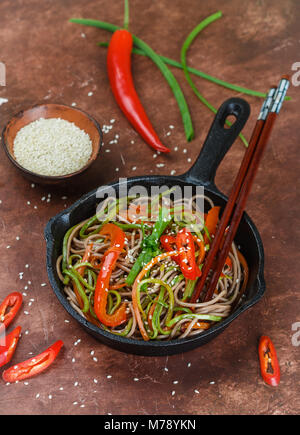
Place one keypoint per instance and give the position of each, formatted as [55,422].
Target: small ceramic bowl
[78,117]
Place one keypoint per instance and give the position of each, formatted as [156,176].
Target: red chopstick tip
[285,76]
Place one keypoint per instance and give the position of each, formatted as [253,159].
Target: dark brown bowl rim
[52,177]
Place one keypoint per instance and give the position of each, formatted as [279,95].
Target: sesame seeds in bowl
[52,143]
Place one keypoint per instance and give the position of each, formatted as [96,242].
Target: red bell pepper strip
[8,349]
[121,82]
[32,366]
[9,308]
[269,365]
[188,265]
[211,223]
[169,244]
[109,260]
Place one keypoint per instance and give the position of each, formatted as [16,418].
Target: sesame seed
[90,94]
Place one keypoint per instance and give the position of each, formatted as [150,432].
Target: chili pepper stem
[126,14]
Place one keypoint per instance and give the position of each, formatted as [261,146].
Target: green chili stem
[126,14]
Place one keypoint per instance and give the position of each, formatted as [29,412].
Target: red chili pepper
[8,349]
[117,240]
[121,82]
[188,265]
[32,366]
[167,241]
[269,365]
[9,308]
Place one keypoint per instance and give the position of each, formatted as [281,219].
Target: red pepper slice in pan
[10,343]
[188,265]
[32,366]
[9,308]
[109,260]
[269,365]
[121,82]
[168,243]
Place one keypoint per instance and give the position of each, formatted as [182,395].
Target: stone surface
[49,59]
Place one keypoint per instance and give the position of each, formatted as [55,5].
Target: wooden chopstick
[240,191]
[234,194]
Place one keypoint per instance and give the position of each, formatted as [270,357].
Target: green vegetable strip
[150,245]
[80,278]
[193,316]
[159,303]
[132,226]
[111,308]
[86,304]
[181,101]
[184,50]
[189,288]
[201,74]
[65,248]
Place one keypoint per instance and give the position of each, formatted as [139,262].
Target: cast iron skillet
[217,143]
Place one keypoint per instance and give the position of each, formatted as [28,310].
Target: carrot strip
[211,223]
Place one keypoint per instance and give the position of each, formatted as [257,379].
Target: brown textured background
[49,59]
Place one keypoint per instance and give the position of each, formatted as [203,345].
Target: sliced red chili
[188,265]
[9,344]
[9,308]
[32,366]
[269,365]
[109,260]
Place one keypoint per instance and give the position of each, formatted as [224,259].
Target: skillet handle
[218,141]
